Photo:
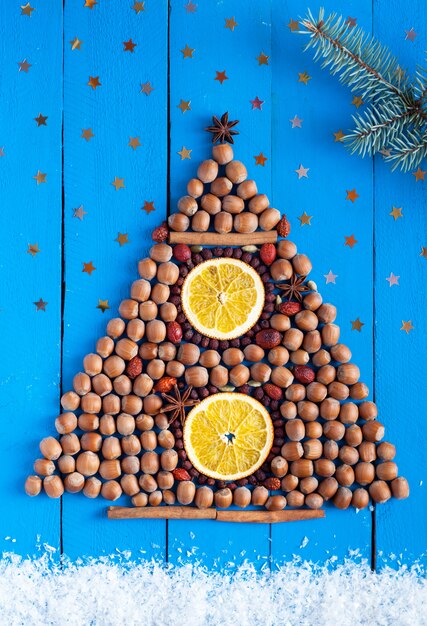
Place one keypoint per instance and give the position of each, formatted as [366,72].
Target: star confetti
[94,82]
[41,120]
[351,21]
[184,153]
[27,9]
[230,23]
[410,34]
[350,241]
[293,25]
[339,135]
[187,52]
[302,172]
[419,174]
[146,88]
[129,46]
[118,183]
[423,252]
[122,238]
[76,43]
[148,206]
[79,212]
[357,324]
[260,159]
[90,4]
[305,220]
[2,153]
[330,277]
[190,7]
[352,195]
[134,142]
[24,66]
[303,77]
[138,7]
[221,77]
[357,101]
[296,122]
[39,177]
[396,212]
[103,305]
[88,268]
[41,305]
[393,280]
[87,134]
[407,326]
[184,105]
[262,59]
[33,249]
[257,103]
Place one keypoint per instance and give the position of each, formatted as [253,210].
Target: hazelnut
[195,187]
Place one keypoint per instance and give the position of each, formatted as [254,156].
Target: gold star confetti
[350,241]
[148,206]
[24,66]
[221,77]
[138,7]
[262,59]
[303,77]
[41,120]
[352,195]
[88,268]
[39,177]
[122,238]
[33,249]
[419,174]
[129,46]
[396,213]
[305,219]
[357,324]
[146,88]
[423,252]
[94,82]
[293,25]
[76,43]
[184,153]
[230,23]
[87,134]
[118,183]
[407,326]
[103,305]
[90,4]
[357,101]
[27,9]
[79,212]
[260,159]
[187,52]
[184,105]
[339,136]
[134,142]
[40,305]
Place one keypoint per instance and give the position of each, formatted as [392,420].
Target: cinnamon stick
[187,512]
[219,239]
[268,517]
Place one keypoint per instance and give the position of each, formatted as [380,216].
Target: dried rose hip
[304,374]
[134,367]
[273,391]
[160,233]
[268,338]
[181,474]
[268,253]
[289,308]
[182,252]
[174,332]
[272,483]
[165,384]
[283,227]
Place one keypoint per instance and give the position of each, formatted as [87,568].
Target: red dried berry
[268,338]
[134,367]
[160,233]
[273,391]
[304,374]
[182,252]
[273,484]
[181,474]
[289,308]
[268,253]
[174,332]
[165,384]
[283,227]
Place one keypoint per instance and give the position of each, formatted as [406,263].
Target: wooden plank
[218,239]
[400,357]
[324,107]
[218,49]
[31,213]
[115,112]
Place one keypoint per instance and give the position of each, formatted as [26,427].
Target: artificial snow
[112,591]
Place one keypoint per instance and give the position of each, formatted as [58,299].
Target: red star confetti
[352,195]
[148,206]
[410,34]
[187,52]
[94,82]
[257,103]
[146,88]
[41,305]
[351,21]
[122,238]
[221,77]
[230,23]
[41,120]
[296,122]
[90,4]
[24,66]
[138,7]
[407,326]
[118,183]
[419,175]
[357,324]
[2,153]
[260,159]
[103,305]
[79,212]
[305,220]
[134,142]
[87,134]
[88,268]
[423,252]
[330,277]
[393,280]
[27,9]
[129,46]
[302,172]
[190,7]
[262,59]
[350,241]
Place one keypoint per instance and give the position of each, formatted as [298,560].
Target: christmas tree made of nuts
[122,430]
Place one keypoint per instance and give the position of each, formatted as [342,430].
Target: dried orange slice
[223,298]
[228,436]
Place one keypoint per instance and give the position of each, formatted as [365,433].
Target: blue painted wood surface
[41,355]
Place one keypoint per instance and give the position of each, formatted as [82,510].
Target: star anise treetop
[222,129]
[178,403]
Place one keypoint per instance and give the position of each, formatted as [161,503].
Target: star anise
[294,289]
[221,129]
[178,403]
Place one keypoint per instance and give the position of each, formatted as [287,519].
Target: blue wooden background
[152,103]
